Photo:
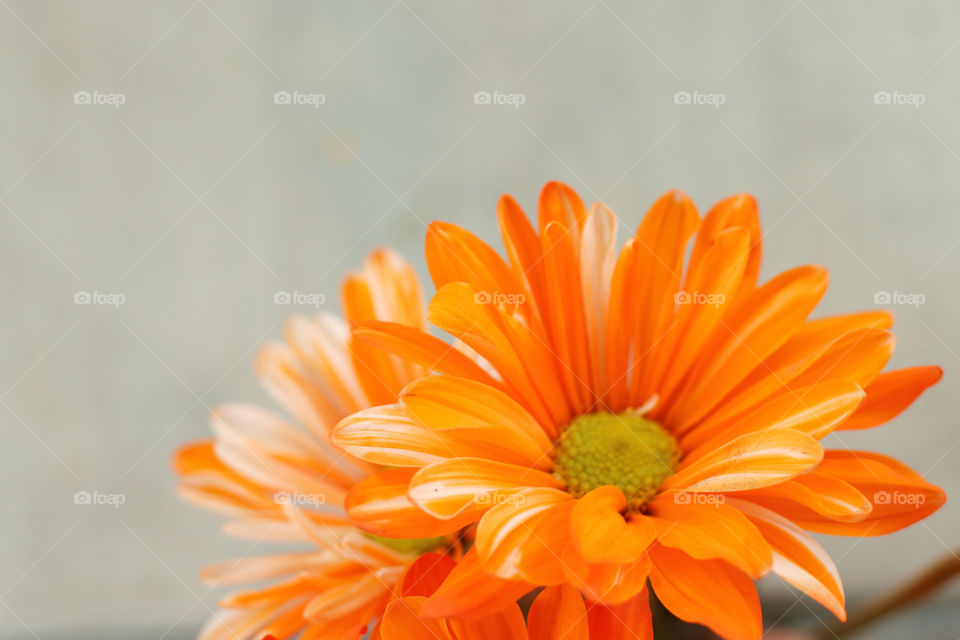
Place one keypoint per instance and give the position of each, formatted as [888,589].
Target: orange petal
[566,314]
[415,345]
[507,624]
[448,489]
[754,329]
[751,461]
[629,620]
[813,410]
[900,496]
[451,403]
[662,239]
[828,496]
[375,369]
[505,528]
[523,249]
[706,531]
[736,211]
[469,591]
[796,355]
[858,355]
[602,534]
[559,203]
[380,505]
[456,310]
[890,393]
[714,281]
[559,613]
[425,574]
[621,318]
[387,435]
[456,255]
[797,558]
[403,620]
[707,592]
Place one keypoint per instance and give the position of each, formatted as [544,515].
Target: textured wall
[198,198]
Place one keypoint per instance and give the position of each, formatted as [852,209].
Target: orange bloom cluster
[602,419]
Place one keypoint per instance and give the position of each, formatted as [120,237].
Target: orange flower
[637,415]
[282,483]
[558,613]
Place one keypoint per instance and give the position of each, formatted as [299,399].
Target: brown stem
[924,584]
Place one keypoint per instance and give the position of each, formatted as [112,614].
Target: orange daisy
[286,483]
[648,414]
[558,613]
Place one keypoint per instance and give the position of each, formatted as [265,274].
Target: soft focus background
[157,193]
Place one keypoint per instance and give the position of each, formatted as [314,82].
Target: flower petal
[706,531]
[628,620]
[890,393]
[469,591]
[797,558]
[827,496]
[754,460]
[602,534]
[415,345]
[559,613]
[758,325]
[447,489]
[505,528]
[380,505]
[448,402]
[899,495]
[707,592]
[404,619]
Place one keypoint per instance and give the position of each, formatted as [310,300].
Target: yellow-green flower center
[625,450]
[412,546]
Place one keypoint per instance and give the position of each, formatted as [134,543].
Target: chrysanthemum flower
[282,482]
[558,613]
[644,415]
